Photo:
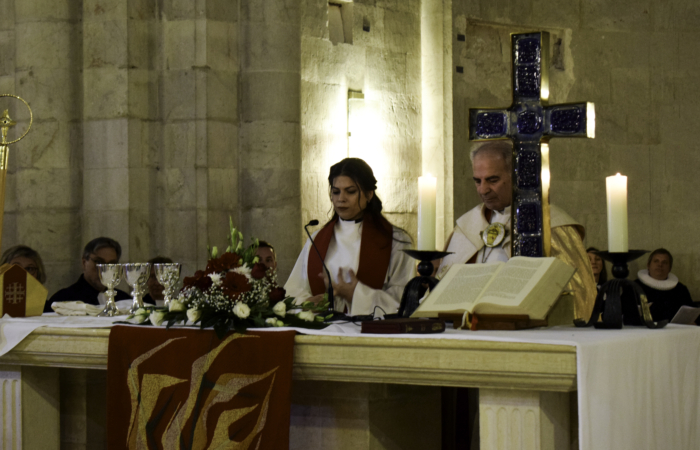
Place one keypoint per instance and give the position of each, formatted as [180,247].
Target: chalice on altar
[168,275]
[136,275]
[110,275]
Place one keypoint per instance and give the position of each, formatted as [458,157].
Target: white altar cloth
[637,388]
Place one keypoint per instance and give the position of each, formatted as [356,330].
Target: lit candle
[427,198]
[617,213]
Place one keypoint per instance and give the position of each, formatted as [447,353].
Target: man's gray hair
[499,149]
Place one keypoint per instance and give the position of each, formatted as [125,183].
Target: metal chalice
[168,275]
[136,275]
[110,275]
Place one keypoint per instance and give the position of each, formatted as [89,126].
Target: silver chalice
[110,275]
[136,276]
[168,275]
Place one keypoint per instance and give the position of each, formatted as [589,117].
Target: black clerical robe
[665,304]
[80,291]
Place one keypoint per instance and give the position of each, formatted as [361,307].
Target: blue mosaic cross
[529,122]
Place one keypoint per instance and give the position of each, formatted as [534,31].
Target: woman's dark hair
[603,273]
[27,252]
[362,175]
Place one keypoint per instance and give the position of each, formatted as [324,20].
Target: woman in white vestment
[359,246]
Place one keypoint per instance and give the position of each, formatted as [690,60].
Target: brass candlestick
[6,123]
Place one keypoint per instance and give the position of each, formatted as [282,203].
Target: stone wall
[136,127]
[636,61]
[383,61]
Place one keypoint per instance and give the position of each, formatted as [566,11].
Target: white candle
[427,198]
[617,213]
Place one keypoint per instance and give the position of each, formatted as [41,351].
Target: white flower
[194,315]
[244,270]
[176,306]
[271,321]
[215,278]
[157,317]
[141,312]
[306,315]
[140,318]
[280,309]
[279,323]
[241,310]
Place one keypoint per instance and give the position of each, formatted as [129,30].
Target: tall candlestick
[617,213]
[427,198]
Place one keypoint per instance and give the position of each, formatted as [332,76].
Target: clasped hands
[340,289]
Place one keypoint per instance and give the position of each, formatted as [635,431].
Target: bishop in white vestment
[492,176]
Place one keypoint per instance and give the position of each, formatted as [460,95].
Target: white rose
[279,324]
[194,315]
[241,310]
[271,321]
[307,316]
[157,317]
[140,318]
[280,309]
[176,306]
[215,279]
[140,312]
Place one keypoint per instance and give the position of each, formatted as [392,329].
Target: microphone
[331,304]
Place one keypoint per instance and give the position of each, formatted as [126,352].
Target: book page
[468,284]
[686,315]
[458,290]
[515,280]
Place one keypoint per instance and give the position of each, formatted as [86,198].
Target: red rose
[229,261]
[235,284]
[200,280]
[258,271]
[277,295]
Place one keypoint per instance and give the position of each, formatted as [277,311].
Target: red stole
[375,253]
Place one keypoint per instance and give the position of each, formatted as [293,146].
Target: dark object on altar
[416,288]
[504,322]
[621,299]
[400,326]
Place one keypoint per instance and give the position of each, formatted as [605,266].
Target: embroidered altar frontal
[186,389]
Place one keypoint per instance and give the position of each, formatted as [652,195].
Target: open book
[522,285]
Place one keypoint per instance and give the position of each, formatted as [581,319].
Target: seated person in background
[28,259]
[266,253]
[663,290]
[102,250]
[155,289]
[598,265]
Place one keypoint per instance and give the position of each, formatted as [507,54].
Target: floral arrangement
[234,292]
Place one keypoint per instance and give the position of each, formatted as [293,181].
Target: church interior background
[157,120]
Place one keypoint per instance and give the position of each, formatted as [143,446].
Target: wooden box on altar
[21,295]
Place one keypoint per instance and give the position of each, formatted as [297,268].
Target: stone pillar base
[29,398]
[515,419]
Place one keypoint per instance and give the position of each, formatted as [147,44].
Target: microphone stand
[334,315]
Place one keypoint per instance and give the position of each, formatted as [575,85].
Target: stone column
[270,131]
[524,419]
[117,105]
[199,102]
[41,62]
[29,402]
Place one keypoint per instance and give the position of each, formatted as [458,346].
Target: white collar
[662,285]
